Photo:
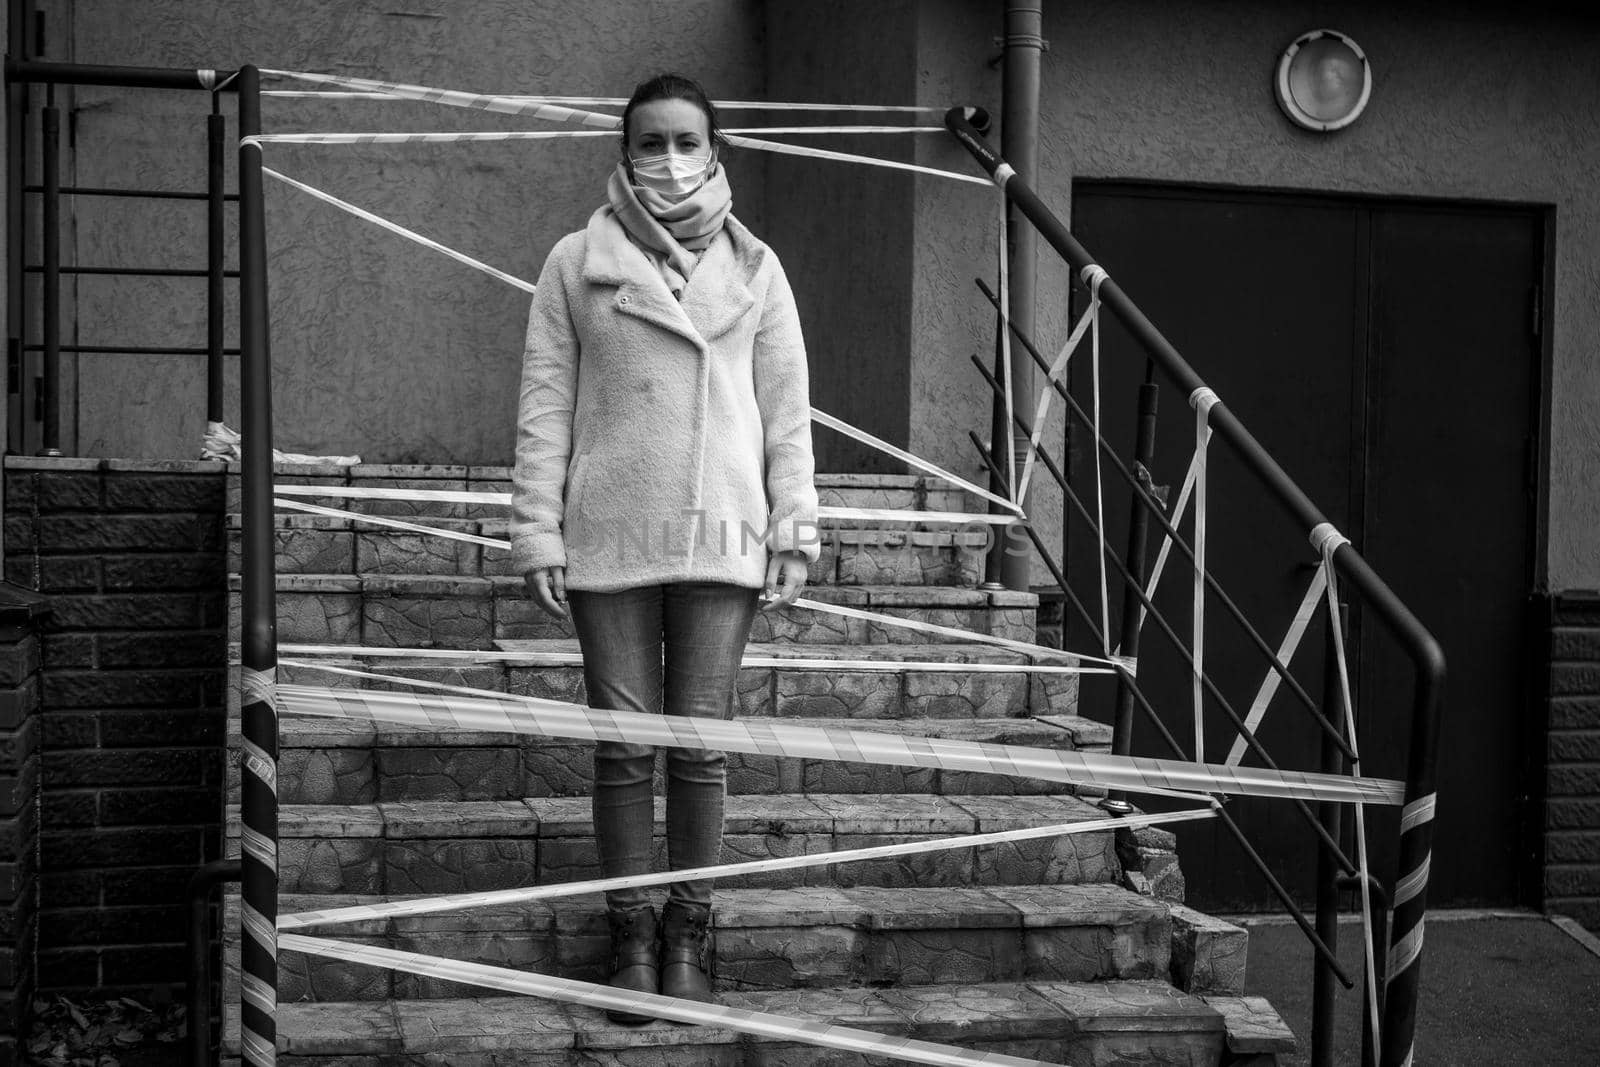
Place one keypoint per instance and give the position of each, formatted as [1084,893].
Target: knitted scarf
[671,235]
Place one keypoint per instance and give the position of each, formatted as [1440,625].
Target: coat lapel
[715,298]
[718,293]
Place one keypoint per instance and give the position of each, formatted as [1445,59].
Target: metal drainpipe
[1019,144]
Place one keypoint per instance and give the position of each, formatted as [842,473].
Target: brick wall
[134,668]
[1572,783]
[21,615]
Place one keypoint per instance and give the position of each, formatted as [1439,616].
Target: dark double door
[1386,353]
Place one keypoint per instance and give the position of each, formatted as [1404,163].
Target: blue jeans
[673,649]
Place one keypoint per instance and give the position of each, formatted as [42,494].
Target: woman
[663,481]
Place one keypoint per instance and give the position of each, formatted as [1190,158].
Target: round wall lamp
[1324,81]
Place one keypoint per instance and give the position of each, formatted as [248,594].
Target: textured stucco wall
[401,355]
[1477,101]
[957,237]
[844,231]
[378,347]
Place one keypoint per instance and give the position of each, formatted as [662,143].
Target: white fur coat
[659,441]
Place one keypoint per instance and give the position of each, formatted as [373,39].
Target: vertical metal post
[1323,990]
[258,652]
[1409,896]
[49,394]
[201,884]
[1144,449]
[216,140]
[17,33]
[1019,133]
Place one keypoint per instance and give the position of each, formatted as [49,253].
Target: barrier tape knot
[1326,539]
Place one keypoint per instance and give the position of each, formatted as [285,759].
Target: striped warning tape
[799,663]
[505,105]
[588,994]
[1286,651]
[1094,275]
[258,953]
[1165,551]
[493,898]
[468,496]
[397,524]
[1027,647]
[490,136]
[823,418]
[1203,399]
[1328,540]
[1047,393]
[479,709]
[952,631]
[1418,813]
[556,113]
[396,228]
[618,101]
[779,739]
[1003,278]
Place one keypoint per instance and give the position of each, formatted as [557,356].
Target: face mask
[673,176]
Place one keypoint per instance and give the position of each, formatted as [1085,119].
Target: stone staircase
[1072,950]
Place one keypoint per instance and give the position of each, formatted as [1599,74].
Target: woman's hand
[547,587]
[788,569]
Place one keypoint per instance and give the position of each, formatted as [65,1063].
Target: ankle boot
[634,961]
[684,932]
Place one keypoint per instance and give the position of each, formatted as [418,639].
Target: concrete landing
[1499,988]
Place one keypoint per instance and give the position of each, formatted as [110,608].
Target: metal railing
[45,388]
[1397,982]
[259,809]
[20,73]
[201,886]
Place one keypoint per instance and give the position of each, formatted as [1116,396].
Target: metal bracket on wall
[1025,39]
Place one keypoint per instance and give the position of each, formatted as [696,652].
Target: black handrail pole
[32,70]
[1154,510]
[208,877]
[50,382]
[216,251]
[258,649]
[130,194]
[1409,894]
[1416,821]
[134,272]
[133,350]
[1144,449]
[1332,762]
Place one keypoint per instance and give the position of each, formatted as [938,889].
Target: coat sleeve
[544,425]
[783,394]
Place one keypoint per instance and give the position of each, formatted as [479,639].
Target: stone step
[333,761]
[448,611]
[1145,1022]
[887,554]
[465,846]
[773,939]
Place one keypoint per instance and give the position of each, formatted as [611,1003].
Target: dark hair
[673,86]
